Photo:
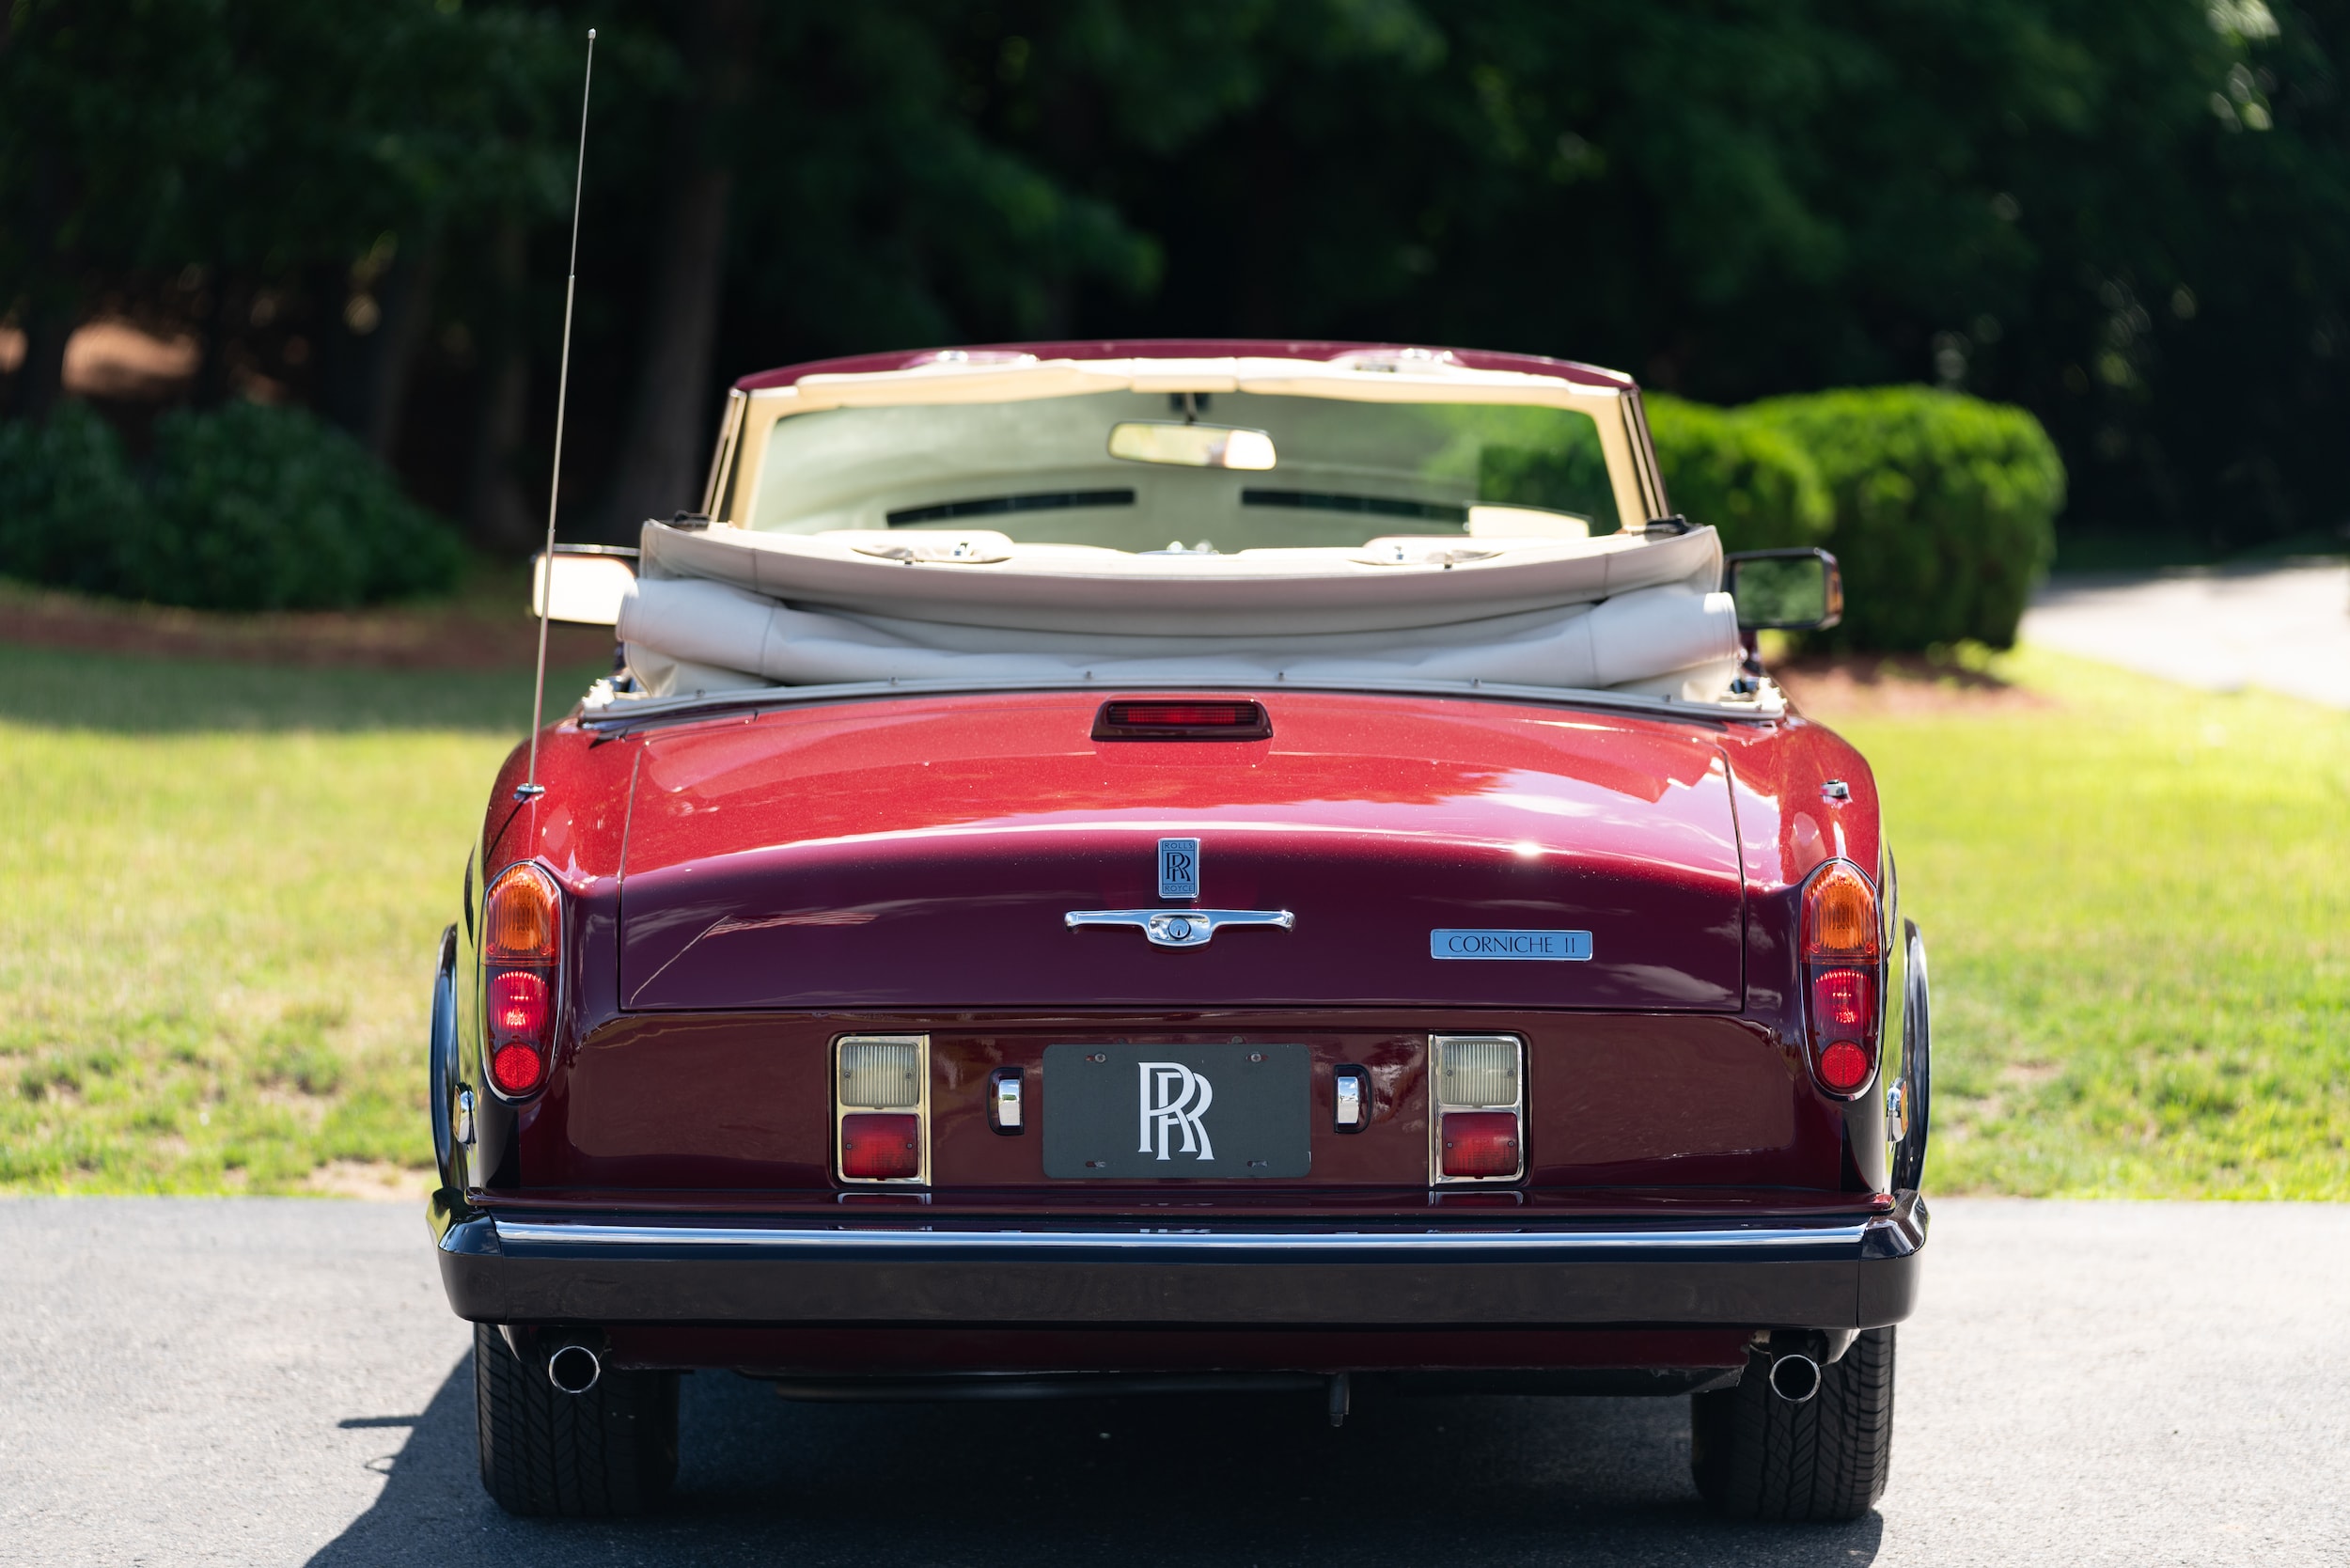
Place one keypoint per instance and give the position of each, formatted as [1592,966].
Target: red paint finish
[689,1102]
[920,853]
[741,1102]
[1702,1101]
[901,864]
[578,828]
[1189,348]
[1787,823]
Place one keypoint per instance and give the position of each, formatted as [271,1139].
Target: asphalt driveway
[2282,628]
[267,1382]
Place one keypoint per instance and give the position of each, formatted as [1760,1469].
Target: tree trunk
[406,294]
[53,303]
[665,445]
[497,506]
[49,324]
[368,340]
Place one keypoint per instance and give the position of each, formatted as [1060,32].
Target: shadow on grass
[1224,1481]
[58,689]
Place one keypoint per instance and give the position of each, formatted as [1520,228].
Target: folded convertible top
[727,606]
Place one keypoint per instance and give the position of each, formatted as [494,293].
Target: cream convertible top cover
[727,607]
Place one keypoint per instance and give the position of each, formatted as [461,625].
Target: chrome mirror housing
[582,583]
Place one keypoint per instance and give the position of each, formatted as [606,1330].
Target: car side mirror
[582,583]
[1786,591]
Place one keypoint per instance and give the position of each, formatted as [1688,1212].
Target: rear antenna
[530,787]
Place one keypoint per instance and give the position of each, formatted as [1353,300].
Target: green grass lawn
[223,887]
[2137,907]
[222,884]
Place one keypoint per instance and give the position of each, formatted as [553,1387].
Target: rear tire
[612,1449]
[1758,1456]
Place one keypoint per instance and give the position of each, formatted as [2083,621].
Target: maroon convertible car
[1116,867]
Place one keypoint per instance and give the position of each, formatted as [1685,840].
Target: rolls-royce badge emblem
[1179,868]
[1174,1098]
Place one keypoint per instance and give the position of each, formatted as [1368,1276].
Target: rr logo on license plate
[1174,1101]
[1162,1111]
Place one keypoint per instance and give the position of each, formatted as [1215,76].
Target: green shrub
[1945,510]
[1749,480]
[242,507]
[66,493]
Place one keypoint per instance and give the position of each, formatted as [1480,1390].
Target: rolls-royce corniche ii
[1120,868]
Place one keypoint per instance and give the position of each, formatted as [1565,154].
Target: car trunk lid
[925,854]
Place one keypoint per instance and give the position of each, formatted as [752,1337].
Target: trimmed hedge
[1941,509]
[1945,510]
[242,507]
[1752,482]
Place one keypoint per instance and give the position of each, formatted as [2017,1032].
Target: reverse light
[1476,1124]
[881,1107]
[1843,951]
[521,950]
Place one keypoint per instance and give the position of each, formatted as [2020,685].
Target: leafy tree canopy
[2131,216]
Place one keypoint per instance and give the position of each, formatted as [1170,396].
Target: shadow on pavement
[1225,1480]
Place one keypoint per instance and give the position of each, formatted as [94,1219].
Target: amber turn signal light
[1839,914]
[520,926]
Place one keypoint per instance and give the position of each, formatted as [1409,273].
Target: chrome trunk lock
[1180,928]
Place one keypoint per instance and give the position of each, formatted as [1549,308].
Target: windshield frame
[738,467]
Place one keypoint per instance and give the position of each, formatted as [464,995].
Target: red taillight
[1481,1143]
[1844,1066]
[522,944]
[881,1146]
[1842,950]
[518,1004]
[1844,1001]
[1181,719]
[516,1068]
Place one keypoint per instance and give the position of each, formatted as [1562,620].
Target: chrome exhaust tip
[573,1368]
[1795,1378]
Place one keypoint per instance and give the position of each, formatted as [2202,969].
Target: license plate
[1134,1112]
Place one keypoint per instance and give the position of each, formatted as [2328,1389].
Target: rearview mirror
[1190,445]
[586,583]
[1786,591]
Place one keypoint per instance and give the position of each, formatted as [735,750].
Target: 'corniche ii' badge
[1556,947]
[1179,868]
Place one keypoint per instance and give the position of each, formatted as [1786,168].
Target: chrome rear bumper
[1840,1274]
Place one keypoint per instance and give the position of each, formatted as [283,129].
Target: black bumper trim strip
[1844,1274]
